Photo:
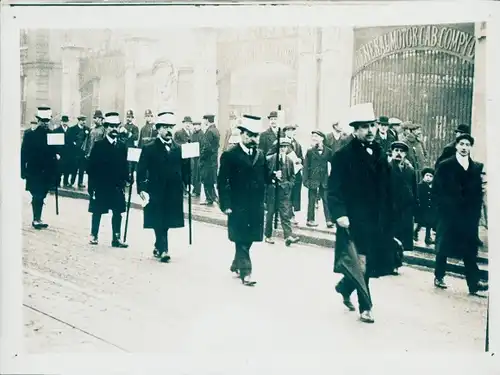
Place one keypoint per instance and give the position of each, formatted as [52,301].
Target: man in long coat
[450,149]
[108,175]
[242,177]
[39,165]
[195,162]
[62,150]
[404,198]
[360,202]
[162,175]
[209,156]
[458,196]
[77,142]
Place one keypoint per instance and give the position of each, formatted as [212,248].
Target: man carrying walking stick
[359,199]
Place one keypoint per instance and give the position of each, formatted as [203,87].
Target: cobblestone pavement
[132,303]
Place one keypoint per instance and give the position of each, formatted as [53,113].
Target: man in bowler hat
[209,156]
[108,175]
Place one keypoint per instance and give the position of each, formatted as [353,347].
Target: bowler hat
[98,114]
[64,118]
[462,128]
[427,170]
[465,136]
[273,114]
[187,119]
[399,144]
[209,118]
[383,120]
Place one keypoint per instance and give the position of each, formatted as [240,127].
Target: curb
[420,257]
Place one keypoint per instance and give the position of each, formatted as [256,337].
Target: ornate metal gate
[420,73]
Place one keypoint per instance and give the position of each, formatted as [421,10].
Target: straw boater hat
[112,118]
[253,124]
[361,114]
[44,113]
[165,119]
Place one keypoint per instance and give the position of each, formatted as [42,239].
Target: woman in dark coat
[241,182]
[404,196]
[162,175]
[458,195]
[108,175]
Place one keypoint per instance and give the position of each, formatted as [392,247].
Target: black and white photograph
[272,187]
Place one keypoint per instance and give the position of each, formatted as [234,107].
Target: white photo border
[339,14]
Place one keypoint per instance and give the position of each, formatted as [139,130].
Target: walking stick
[56,194]
[190,217]
[128,203]
[487,339]
[276,182]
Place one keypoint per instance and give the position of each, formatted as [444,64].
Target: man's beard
[113,134]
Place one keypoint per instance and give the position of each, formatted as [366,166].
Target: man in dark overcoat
[242,177]
[195,162]
[39,165]
[450,149]
[315,177]
[360,201]
[162,175]
[108,175]
[458,196]
[77,141]
[268,137]
[209,156]
[148,131]
[384,137]
[404,198]
[296,148]
[62,150]
[183,135]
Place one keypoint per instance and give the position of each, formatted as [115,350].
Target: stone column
[336,72]
[478,126]
[70,98]
[205,75]
[306,84]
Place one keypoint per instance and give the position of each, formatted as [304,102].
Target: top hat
[361,114]
[273,114]
[462,128]
[112,118]
[98,114]
[187,119]
[383,120]
[165,119]
[253,124]
[44,113]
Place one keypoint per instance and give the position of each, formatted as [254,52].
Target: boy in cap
[426,213]
[404,197]
[39,164]
[286,180]
[242,178]
[148,132]
[209,157]
[315,177]
[360,201]
[162,175]
[108,175]
[458,195]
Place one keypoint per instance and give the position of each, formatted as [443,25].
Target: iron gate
[429,84]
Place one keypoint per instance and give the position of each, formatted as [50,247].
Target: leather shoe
[345,300]
[366,317]
[439,283]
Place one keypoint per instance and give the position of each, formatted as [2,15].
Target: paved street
[130,302]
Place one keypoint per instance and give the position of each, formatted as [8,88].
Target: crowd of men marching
[374,184]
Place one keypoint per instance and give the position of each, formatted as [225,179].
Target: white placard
[133,154]
[293,157]
[55,139]
[190,150]
[297,167]
[329,168]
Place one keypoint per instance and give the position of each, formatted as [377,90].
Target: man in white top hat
[108,175]
[360,202]
[242,178]
[162,175]
[39,164]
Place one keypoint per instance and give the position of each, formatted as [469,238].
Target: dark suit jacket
[266,140]
[181,136]
[315,171]
[385,143]
[448,151]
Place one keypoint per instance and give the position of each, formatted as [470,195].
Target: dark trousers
[241,259]
[37,201]
[116,224]
[78,168]
[210,194]
[161,239]
[427,231]
[195,176]
[284,209]
[347,287]
[471,269]
[313,195]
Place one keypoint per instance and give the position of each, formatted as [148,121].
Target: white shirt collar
[463,161]
[245,148]
[111,140]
